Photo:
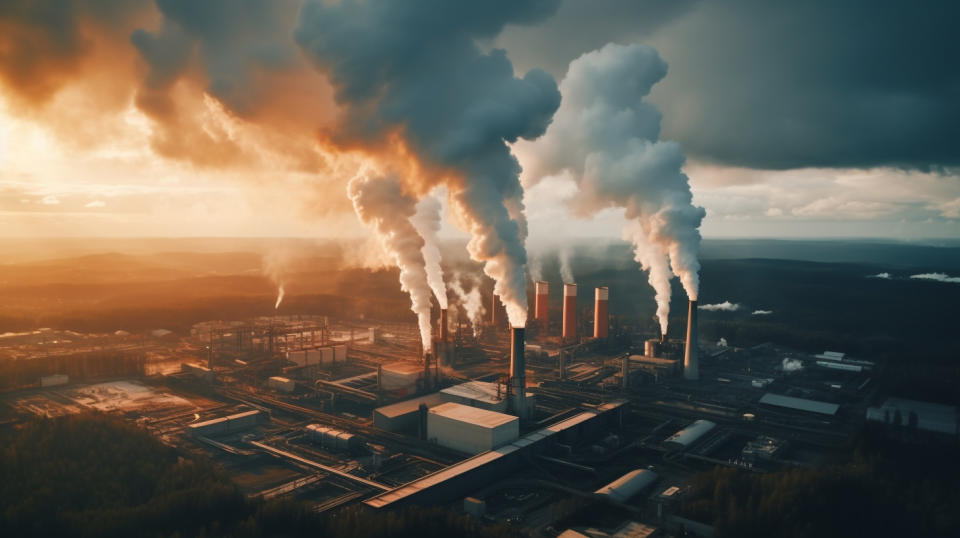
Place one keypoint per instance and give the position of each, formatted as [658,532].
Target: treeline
[95,475]
[887,488]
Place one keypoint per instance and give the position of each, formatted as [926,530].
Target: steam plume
[280,293]
[471,300]
[606,138]
[566,270]
[383,206]
[725,306]
[427,223]
[386,82]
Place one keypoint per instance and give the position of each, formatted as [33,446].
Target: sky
[246,118]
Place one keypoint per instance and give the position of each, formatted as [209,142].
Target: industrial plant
[494,420]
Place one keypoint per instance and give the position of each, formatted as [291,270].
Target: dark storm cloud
[792,84]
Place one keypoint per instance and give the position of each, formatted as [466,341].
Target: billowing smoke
[427,221]
[939,277]
[883,276]
[471,301]
[566,269]
[792,365]
[722,342]
[280,294]
[725,306]
[275,265]
[412,84]
[657,268]
[385,208]
[606,138]
[762,312]
[534,266]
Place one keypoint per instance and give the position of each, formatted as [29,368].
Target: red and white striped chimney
[569,312]
[542,305]
[601,320]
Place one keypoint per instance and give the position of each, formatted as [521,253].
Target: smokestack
[518,376]
[651,348]
[691,364]
[495,310]
[541,306]
[444,330]
[601,320]
[569,312]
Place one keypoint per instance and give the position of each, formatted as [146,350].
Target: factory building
[688,436]
[470,429]
[402,416]
[480,394]
[799,404]
[624,488]
[925,416]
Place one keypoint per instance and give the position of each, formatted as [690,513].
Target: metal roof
[409,406]
[472,415]
[475,390]
[482,459]
[801,404]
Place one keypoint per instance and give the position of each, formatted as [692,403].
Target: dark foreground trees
[888,488]
[95,475]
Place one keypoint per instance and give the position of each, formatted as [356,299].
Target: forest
[887,487]
[94,475]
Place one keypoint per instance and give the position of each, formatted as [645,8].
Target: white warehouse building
[470,429]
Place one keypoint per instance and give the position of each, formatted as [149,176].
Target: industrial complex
[524,425]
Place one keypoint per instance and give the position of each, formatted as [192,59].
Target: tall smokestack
[569,312]
[691,364]
[444,330]
[542,305]
[495,310]
[518,376]
[601,320]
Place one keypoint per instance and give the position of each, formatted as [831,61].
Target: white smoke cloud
[427,221]
[276,265]
[657,267]
[725,306]
[471,301]
[762,312]
[722,342]
[885,276]
[534,266]
[939,277]
[792,365]
[566,269]
[606,137]
[381,204]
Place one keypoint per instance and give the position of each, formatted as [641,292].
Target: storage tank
[340,353]
[628,485]
[688,436]
[332,438]
[651,348]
